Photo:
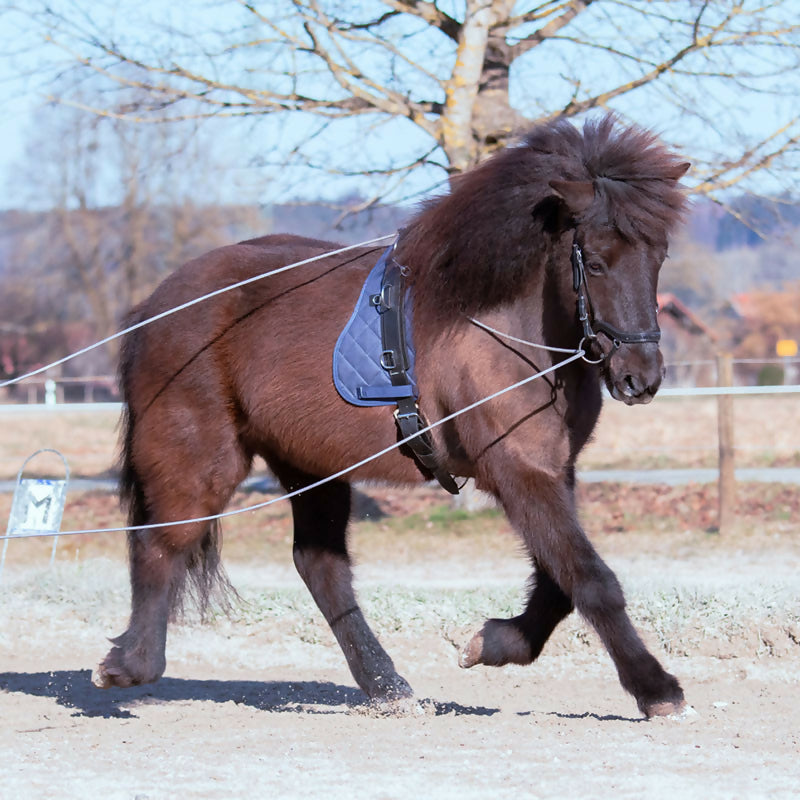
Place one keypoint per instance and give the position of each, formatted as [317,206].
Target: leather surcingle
[373,361]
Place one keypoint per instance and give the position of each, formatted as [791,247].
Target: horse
[556,240]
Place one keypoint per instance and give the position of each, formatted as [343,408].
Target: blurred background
[138,135]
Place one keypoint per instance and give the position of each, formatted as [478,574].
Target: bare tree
[122,206]
[464,76]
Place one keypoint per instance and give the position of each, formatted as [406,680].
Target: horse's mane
[470,249]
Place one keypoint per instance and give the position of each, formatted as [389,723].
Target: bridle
[593,326]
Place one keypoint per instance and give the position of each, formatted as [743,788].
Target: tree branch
[430,13]
[601,99]
[548,31]
[749,162]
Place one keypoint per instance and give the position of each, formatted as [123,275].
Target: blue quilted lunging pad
[357,372]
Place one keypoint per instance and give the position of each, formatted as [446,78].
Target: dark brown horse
[249,374]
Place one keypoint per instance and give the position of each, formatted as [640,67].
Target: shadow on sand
[73,689]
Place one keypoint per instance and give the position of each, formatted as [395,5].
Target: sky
[23,91]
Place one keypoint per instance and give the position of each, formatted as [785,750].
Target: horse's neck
[543,307]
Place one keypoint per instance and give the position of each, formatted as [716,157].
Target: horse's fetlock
[499,642]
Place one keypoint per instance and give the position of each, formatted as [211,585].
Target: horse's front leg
[541,509]
[320,554]
[520,640]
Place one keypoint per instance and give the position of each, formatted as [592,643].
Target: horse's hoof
[677,712]
[396,690]
[112,671]
[472,653]
[100,678]
[105,677]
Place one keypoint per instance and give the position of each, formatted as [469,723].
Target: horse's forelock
[633,172]
[635,178]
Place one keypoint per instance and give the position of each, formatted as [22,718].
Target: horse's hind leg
[164,560]
[320,555]
[138,655]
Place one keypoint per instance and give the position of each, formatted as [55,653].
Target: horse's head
[614,275]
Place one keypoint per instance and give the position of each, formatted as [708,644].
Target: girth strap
[394,359]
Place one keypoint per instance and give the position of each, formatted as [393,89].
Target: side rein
[591,327]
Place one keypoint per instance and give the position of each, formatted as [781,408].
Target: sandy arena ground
[262,705]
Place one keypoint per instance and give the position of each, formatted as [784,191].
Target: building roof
[669,304]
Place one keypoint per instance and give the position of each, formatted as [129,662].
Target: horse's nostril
[631,384]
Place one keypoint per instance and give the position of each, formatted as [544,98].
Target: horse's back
[289,240]
[257,358]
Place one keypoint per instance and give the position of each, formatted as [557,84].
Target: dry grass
[676,432]
[420,523]
[421,520]
[670,432]
[88,440]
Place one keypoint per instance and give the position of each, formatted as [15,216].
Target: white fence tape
[58,408]
[676,391]
[700,391]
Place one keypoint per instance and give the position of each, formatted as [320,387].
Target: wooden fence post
[727,478]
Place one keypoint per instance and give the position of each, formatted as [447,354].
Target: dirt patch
[630,507]
[262,704]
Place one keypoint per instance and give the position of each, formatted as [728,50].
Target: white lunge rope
[521,341]
[189,303]
[33,534]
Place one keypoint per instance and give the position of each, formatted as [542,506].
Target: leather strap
[394,359]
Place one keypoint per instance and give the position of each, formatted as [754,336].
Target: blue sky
[23,89]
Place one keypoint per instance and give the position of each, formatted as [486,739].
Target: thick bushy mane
[470,249]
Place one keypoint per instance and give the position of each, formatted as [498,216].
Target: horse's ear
[679,171]
[578,195]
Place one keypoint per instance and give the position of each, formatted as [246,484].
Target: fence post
[727,478]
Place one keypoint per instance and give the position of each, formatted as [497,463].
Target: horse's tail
[201,576]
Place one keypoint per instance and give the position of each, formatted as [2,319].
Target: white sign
[37,507]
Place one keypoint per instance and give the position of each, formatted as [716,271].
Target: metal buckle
[385,297]
[577,267]
[388,360]
[407,415]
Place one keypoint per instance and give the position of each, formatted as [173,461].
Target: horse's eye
[595,268]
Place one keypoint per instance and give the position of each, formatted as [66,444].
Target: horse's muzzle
[634,373]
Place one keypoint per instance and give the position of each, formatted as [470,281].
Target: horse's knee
[600,594]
